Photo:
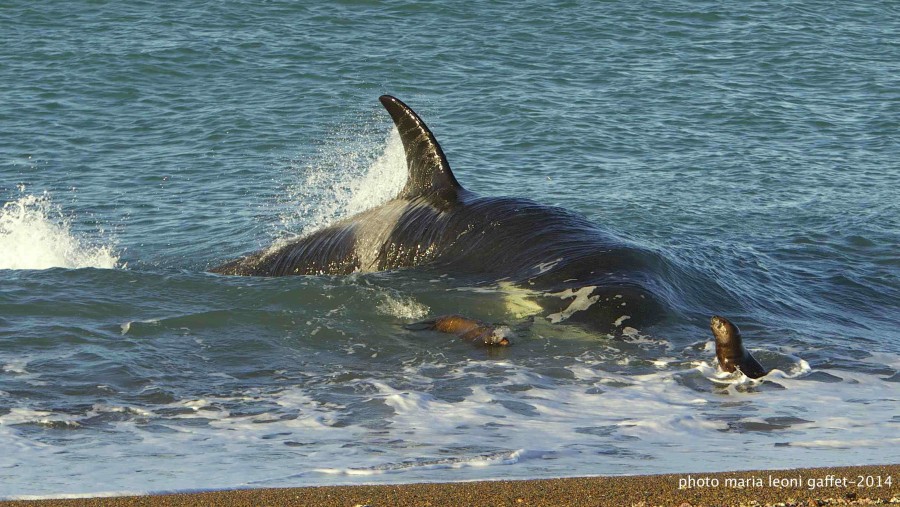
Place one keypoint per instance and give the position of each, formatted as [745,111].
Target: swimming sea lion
[471,330]
[730,349]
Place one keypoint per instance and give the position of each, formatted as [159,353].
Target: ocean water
[754,145]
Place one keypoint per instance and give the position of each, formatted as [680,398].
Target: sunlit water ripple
[755,146]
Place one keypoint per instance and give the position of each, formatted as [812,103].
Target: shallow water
[754,148]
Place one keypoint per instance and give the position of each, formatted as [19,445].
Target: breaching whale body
[580,272]
[574,270]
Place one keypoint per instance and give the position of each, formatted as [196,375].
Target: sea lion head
[724,331]
[499,336]
[729,346]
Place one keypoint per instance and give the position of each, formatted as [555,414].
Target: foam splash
[402,308]
[847,444]
[487,460]
[73,496]
[344,180]
[34,234]
[583,300]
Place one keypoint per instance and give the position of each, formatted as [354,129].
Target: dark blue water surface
[754,145]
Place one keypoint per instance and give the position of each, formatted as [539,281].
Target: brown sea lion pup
[471,330]
[730,349]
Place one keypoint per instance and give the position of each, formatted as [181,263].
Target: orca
[580,272]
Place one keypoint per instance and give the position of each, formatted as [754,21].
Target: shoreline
[854,485]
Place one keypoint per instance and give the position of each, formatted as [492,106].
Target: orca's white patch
[583,300]
[519,302]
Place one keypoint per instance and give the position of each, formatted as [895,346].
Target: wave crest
[34,234]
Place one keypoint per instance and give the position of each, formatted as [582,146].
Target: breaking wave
[35,234]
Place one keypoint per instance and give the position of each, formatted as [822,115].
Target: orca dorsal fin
[429,172]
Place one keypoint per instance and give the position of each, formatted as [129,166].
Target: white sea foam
[583,300]
[34,234]
[23,415]
[16,366]
[99,494]
[498,414]
[487,460]
[847,444]
[402,308]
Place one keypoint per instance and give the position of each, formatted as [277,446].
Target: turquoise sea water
[755,145]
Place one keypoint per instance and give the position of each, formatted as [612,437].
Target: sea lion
[470,330]
[730,349]
[580,272]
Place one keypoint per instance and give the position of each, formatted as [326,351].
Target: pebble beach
[863,485]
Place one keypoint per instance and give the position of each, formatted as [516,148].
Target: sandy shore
[866,485]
